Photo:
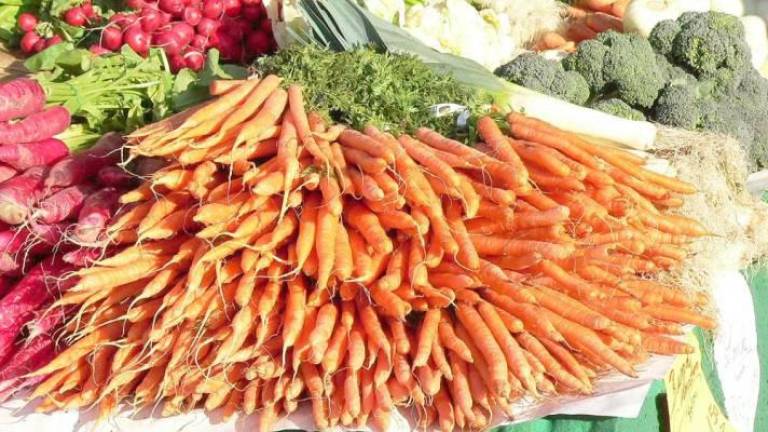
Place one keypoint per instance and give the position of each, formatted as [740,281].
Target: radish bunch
[36,38]
[186,29]
[53,208]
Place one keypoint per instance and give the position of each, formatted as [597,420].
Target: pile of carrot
[280,259]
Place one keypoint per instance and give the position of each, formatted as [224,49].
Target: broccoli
[618,108]
[679,106]
[624,63]
[708,41]
[662,36]
[545,76]
[588,62]
[671,74]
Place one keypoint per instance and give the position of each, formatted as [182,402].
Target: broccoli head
[671,74]
[588,62]
[679,106]
[708,41]
[618,108]
[545,76]
[663,36]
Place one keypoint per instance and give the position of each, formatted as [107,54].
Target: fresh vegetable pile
[54,207]
[279,258]
[693,73]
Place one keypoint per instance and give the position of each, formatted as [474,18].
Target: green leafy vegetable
[361,86]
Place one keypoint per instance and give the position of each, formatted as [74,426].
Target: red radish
[115,176]
[251,13]
[266,26]
[252,2]
[167,40]
[27,22]
[6,173]
[19,245]
[18,306]
[53,40]
[97,210]
[199,42]
[30,357]
[23,156]
[112,38]
[176,62]
[83,257]
[173,7]
[39,45]
[165,18]
[76,169]
[20,98]
[213,8]
[232,7]
[88,10]
[124,20]
[192,15]
[18,194]
[75,17]
[194,60]
[134,4]
[184,32]
[258,43]
[151,19]
[207,27]
[35,127]
[98,50]
[137,39]
[230,47]
[62,204]
[28,42]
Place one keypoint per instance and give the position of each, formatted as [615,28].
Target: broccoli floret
[588,62]
[618,108]
[708,41]
[663,36]
[679,106]
[530,70]
[630,65]
[671,74]
[545,76]
[752,91]
[572,87]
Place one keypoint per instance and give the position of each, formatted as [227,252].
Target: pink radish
[112,38]
[184,32]
[35,127]
[213,8]
[6,172]
[199,42]
[38,287]
[207,27]
[137,39]
[192,15]
[62,204]
[20,98]
[167,40]
[83,257]
[116,176]
[76,169]
[194,60]
[18,194]
[151,19]
[27,22]
[97,210]
[173,7]
[23,156]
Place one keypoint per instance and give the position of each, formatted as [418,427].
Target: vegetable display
[279,258]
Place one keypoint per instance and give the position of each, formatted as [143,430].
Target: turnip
[75,17]
[6,172]
[24,156]
[35,127]
[28,42]
[173,7]
[18,194]
[27,22]
[213,8]
[137,39]
[231,7]
[112,38]
[63,204]
[76,169]
[96,212]
[116,177]
[192,15]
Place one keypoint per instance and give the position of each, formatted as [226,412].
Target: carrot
[427,336]
[679,315]
[662,345]
[353,139]
[368,225]
[501,147]
[483,337]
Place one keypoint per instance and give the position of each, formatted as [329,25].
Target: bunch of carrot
[280,259]
[585,19]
